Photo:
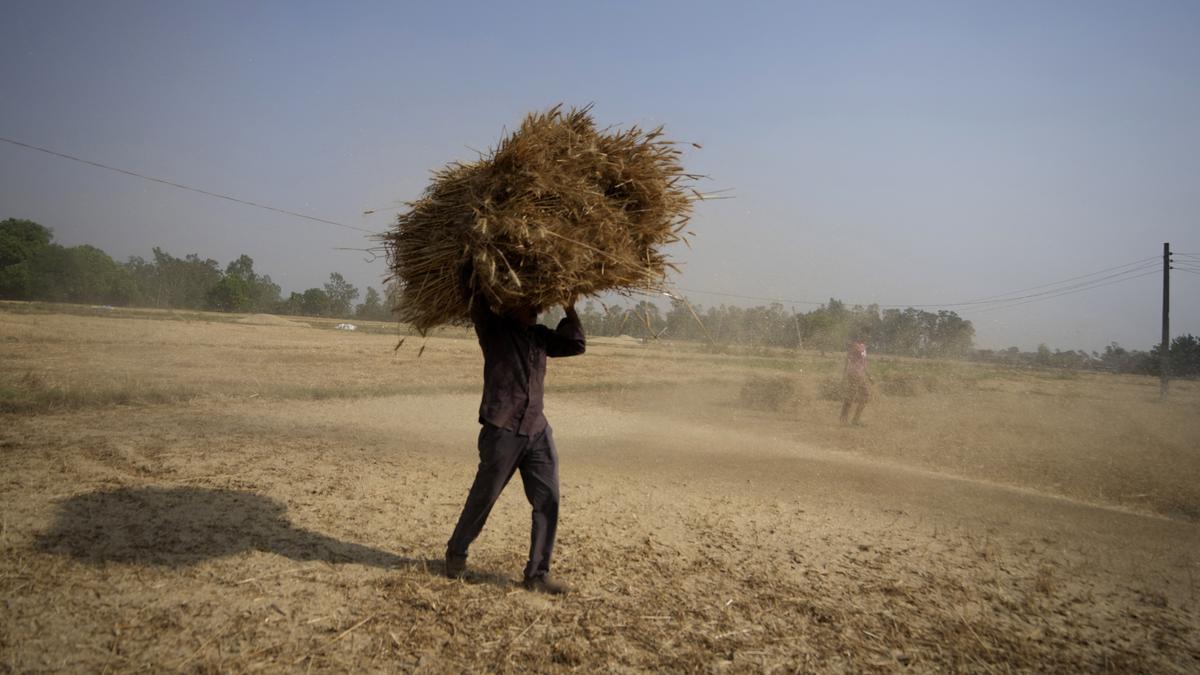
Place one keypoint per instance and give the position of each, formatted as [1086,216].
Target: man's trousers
[501,454]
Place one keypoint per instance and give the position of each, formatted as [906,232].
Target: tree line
[908,332]
[1182,358]
[34,267]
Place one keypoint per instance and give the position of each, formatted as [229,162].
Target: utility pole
[1164,351]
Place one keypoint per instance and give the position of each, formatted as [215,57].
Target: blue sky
[897,153]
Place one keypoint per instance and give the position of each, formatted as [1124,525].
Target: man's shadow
[181,526]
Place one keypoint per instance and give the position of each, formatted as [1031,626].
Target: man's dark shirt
[514,366]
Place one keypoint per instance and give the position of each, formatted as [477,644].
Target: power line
[995,308]
[1067,292]
[751,297]
[1055,291]
[1003,302]
[1001,299]
[181,186]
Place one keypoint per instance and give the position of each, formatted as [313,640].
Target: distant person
[515,435]
[856,381]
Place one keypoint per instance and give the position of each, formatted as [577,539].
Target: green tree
[827,327]
[615,321]
[682,324]
[82,274]
[175,282]
[261,294]
[647,320]
[1044,357]
[372,307]
[21,241]
[341,295]
[230,294]
[951,335]
[141,276]
[1183,357]
[315,302]
[591,319]
[900,332]
[294,305]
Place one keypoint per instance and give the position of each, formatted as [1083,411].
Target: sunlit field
[184,490]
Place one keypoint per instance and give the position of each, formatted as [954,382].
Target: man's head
[526,315]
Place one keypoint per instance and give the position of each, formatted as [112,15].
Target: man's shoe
[545,584]
[456,565]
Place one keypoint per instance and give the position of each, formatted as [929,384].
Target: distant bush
[769,393]
[831,389]
[901,384]
[950,382]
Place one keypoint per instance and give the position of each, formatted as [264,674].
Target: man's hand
[569,309]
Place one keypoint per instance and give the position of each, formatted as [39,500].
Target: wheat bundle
[557,210]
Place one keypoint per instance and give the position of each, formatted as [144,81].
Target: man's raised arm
[567,339]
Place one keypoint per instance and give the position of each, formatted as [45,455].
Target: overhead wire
[1083,285]
[750,297]
[1053,288]
[189,188]
[1065,292]
[1136,265]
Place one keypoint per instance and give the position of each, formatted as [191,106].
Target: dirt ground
[202,494]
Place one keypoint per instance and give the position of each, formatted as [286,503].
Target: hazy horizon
[925,154]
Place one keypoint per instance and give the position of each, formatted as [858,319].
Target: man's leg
[499,452]
[539,473]
[862,403]
[846,409]
[862,395]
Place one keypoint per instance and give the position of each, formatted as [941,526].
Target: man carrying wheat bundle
[857,381]
[515,435]
[557,210]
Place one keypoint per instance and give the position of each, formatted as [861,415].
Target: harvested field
[201,494]
[267,320]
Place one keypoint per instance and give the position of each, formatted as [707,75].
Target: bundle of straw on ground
[558,209]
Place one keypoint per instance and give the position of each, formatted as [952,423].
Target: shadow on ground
[181,526]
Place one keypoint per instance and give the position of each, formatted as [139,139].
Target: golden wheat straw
[557,210]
